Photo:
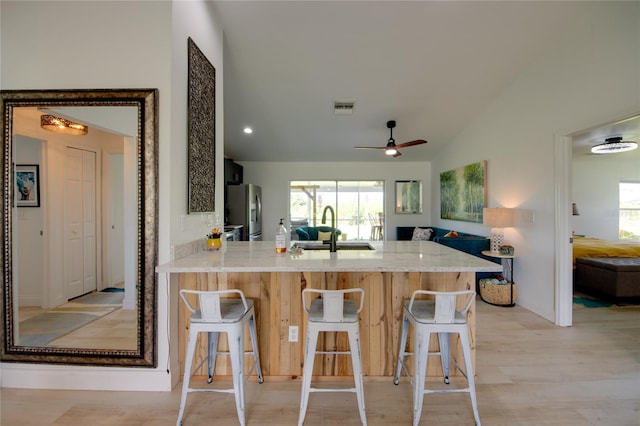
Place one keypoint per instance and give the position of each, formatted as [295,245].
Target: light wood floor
[530,372]
[116,330]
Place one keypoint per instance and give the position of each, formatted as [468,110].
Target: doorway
[564,146]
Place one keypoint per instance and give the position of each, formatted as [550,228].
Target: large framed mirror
[78,280]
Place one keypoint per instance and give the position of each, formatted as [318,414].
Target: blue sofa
[468,243]
[310,233]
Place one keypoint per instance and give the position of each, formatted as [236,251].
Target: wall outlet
[293,333]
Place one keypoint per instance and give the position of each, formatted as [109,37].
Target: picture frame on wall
[27,185]
[408,196]
[463,192]
[201,131]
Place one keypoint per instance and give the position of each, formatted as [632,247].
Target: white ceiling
[431,66]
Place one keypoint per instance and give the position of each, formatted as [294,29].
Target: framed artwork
[27,188]
[409,196]
[463,192]
[201,132]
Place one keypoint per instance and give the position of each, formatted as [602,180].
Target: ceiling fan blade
[391,145]
[370,147]
[411,143]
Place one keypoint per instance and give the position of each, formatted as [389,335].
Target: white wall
[596,191]
[274,178]
[589,75]
[193,19]
[121,45]
[133,44]
[29,271]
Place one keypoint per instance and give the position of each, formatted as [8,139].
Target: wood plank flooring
[530,372]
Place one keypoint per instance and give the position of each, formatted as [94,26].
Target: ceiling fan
[392,148]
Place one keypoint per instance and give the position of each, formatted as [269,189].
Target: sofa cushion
[421,234]
[471,245]
[405,233]
[323,236]
[310,233]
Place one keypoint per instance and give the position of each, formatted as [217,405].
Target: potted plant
[213,239]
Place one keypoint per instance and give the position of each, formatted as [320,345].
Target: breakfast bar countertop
[388,256]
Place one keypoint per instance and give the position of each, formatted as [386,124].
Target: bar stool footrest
[230,390]
[332,390]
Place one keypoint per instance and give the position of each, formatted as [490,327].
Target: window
[629,211]
[358,206]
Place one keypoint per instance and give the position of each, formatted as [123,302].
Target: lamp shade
[497,217]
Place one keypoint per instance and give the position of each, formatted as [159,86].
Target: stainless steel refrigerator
[245,208]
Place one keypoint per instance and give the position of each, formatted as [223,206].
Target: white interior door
[116,218]
[80,222]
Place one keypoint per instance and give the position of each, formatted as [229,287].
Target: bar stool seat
[436,316]
[218,315]
[332,312]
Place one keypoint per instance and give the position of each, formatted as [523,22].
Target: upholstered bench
[609,276]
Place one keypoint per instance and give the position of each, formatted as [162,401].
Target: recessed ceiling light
[248,130]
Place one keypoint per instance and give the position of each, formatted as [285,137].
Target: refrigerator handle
[258,209]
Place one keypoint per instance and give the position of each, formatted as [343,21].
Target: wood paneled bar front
[389,275]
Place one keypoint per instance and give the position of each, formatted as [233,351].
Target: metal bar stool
[436,316]
[218,315]
[332,312]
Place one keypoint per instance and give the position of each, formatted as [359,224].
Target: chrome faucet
[332,241]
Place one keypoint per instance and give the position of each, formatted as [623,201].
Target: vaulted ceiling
[433,66]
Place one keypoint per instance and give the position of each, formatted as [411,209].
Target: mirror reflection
[87,297]
[80,234]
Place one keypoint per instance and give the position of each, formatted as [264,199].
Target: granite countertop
[388,256]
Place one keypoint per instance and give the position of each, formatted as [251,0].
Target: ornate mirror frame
[146,101]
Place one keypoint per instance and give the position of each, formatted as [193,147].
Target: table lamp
[497,218]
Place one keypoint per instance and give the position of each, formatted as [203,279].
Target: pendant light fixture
[614,145]
[62,125]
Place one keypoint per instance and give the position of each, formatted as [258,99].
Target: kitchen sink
[340,245]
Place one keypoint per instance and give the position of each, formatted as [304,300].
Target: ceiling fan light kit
[614,145]
[392,149]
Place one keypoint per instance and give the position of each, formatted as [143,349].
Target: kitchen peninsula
[389,274]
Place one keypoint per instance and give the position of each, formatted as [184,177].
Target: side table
[507,265]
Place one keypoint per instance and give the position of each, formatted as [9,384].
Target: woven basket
[498,294]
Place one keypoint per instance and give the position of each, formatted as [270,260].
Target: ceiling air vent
[343,106]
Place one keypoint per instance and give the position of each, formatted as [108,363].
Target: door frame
[114,223]
[563,147]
